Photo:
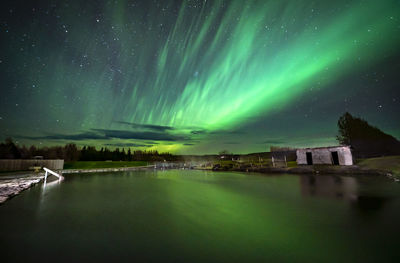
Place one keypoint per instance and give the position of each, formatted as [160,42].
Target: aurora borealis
[196,76]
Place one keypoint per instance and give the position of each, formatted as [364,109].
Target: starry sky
[196,76]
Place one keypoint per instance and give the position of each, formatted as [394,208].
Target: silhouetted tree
[24,152]
[365,140]
[107,154]
[83,156]
[71,152]
[32,151]
[122,155]
[92,154]
[129,155]
[9,150]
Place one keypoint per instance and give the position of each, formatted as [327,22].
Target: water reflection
[343,188]
[48,185]
[193,216]
[369,204]
[329,186]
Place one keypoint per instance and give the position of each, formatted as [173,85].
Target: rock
[12,187]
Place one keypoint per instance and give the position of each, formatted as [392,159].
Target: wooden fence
[23,164]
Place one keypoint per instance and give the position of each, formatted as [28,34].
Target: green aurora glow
[198,67]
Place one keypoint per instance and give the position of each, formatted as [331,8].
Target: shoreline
[12,184]
[12,187]
[103,170]
[18,182]
[352,170]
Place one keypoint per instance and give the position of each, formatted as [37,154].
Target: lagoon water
[200,216]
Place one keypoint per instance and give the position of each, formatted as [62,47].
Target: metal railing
[48,171]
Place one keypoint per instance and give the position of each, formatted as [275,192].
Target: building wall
[24,164]
[324,156]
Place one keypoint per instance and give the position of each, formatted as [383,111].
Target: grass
[388,163]
[102,164]
[236,164]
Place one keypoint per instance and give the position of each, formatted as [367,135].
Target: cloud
[198,132]
[146,126]
[231,142]
[150,142]
[140,135]
[217,132]
[72,137]
[121,144]
[105,134]
[272,142]
[223,132]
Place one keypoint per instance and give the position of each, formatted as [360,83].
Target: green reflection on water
[186,216]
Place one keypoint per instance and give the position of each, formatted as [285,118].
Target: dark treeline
[70,152]
[365,139]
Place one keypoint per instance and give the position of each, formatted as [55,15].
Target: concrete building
[336,155]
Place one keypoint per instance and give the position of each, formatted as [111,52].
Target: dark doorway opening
[309,158]
[335,158]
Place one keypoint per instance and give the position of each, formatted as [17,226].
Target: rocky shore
[14,183]
[13,186]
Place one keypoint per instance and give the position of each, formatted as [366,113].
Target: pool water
[202,216]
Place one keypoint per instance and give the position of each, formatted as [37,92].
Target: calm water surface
[197,216]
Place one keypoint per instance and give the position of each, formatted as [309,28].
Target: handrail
[60,177]
[53,173]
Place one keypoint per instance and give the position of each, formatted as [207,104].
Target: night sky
[196,76]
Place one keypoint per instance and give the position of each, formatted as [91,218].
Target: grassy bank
[370,166]
[102,164]
[389,164]
[228,164]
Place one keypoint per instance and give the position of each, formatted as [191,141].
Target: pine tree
[129,155]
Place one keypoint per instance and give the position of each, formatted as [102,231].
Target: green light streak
[253,60]
[211,67]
